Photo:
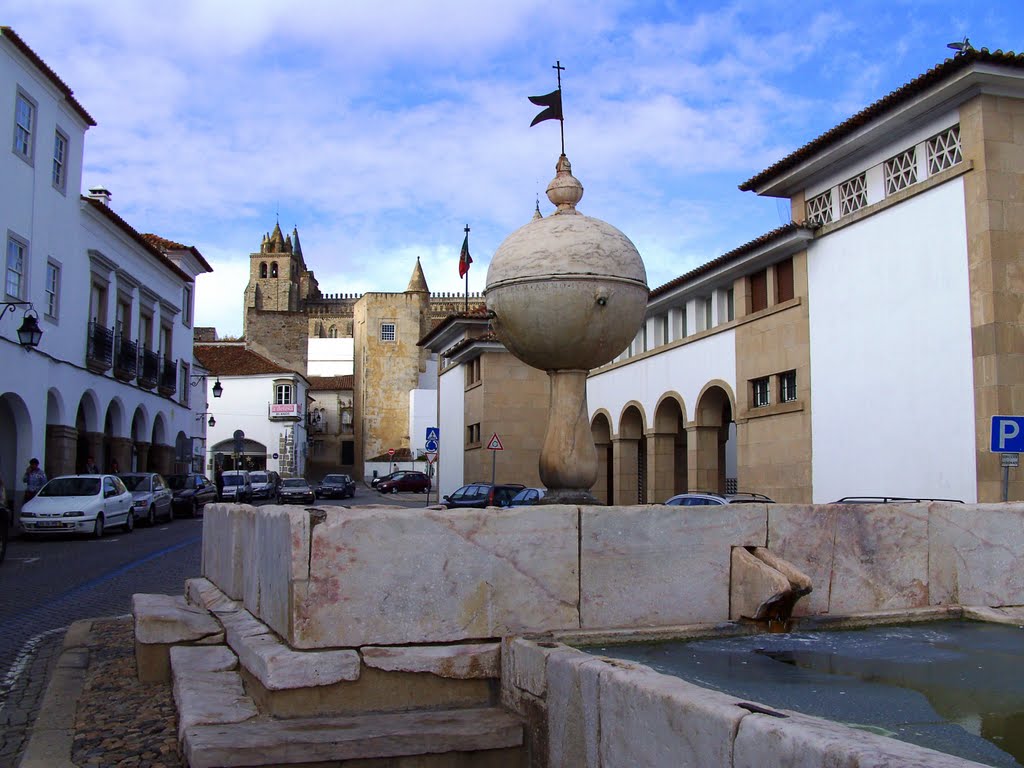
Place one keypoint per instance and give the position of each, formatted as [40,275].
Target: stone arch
[161,453]
[115,454]
[140,432]
[711,438]
[54,406]
[273,269]
[263,269]
[89,435]
[629,456]
[332,332]
[667,449]
[319,332]
[601,430]
[182,453]
[15,443]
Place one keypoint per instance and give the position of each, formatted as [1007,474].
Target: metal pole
[1006,483]
[494,459]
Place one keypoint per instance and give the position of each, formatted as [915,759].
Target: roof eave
[960,86]
[475,348]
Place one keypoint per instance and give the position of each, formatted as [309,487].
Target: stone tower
[274,322]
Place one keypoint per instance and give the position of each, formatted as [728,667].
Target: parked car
[295,490]
[405,480]
[481,495]
[336,487]
[151,497]
[264,484]
[380,479]
[86,504]
[237,486]
[192,492]
[707,499]
[527,497]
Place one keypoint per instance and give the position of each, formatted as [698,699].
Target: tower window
[387,331]
[263,269]
[273,269]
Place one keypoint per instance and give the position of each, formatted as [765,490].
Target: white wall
[244,405]
[330,357]
[891,363]
[422,414]
[684,370]
[451,397]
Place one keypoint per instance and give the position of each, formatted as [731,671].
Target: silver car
[152,498]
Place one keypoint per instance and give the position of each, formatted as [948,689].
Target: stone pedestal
[601,490]
[141,457]
[661,466]
[61,444]
[703,470]
[121,452]
[568,459]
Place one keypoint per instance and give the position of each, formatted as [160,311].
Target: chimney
[102,194]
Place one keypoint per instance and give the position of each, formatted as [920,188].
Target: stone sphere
[568,292]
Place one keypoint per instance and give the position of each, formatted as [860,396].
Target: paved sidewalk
[95,712]
[22,692]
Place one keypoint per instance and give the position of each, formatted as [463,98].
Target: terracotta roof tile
[42,66]
[896,98]
[325,383]
[163,244]
[234,360]
[129,230]
[735,253]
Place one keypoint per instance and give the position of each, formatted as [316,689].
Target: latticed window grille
[853,195]
[944,150]
[819,209]
[900,171]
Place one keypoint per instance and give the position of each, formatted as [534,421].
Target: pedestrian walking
[114,467]
[34,479]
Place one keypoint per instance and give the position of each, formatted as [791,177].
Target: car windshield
[335,479]
[177,482]
[293,482]
[259,477]
[71,486]
[232,480]
[136,482]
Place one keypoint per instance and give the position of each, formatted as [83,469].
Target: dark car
[405,480]
[380,479]
[710,499]
[295,490]
[336,487]
[481,495]
[192,492]
[527,497]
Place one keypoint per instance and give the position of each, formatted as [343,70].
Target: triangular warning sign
[495,444]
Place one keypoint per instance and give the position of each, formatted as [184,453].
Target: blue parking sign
[1007,434]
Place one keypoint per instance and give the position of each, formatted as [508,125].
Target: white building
[111,377]
[264,402]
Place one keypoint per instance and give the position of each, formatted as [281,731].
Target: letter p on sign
[1007,434]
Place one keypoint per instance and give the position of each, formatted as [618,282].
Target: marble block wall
[386,576]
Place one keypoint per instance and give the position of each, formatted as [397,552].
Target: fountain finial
[565,190]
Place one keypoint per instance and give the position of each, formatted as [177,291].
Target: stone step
[265,741]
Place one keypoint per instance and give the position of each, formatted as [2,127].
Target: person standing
[91,467]
[34,479]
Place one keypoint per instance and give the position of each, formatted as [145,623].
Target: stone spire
[277,244]
[296,246]
[536,211]
[417,283]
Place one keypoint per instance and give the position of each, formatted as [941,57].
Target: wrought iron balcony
[126,358]
[149,368]
[99,349]
[168,382]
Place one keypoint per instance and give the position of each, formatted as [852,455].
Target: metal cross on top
[553,102]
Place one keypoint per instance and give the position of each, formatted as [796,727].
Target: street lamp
[29,334]
[218,388]
[212,422]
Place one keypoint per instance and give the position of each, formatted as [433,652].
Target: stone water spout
[567,293]
[763,587]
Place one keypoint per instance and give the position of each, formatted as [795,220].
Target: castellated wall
[280,336]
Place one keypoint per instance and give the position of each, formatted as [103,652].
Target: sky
[381,130]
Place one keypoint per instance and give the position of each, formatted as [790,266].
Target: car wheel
[151,517]
[129,522]
[97,530]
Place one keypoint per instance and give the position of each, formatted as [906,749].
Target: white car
[79,504]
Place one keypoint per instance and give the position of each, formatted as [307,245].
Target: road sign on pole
[431,457]
[1007,434]
[391,451]
[495,443]
[433,433]
[430,446]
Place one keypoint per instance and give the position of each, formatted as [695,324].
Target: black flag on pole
[553,102]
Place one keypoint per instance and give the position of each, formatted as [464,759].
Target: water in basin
[957,687]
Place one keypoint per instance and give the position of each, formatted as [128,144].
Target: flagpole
[466,309]
[561,118]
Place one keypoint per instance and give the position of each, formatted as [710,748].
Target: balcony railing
[168,377]
[126,358]
[149,368]
[99,350]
